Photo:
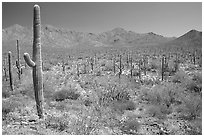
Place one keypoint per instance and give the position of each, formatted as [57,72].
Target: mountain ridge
[65,38]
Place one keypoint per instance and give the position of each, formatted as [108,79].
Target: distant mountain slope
[63,38]
[191,38]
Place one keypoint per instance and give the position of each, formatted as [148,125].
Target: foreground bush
[65,94]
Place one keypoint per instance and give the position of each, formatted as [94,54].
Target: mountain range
[64,38]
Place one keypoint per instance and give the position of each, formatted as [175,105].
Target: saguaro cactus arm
[28,60]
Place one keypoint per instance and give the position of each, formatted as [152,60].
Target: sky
[167,19]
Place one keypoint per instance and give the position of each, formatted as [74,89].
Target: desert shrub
[97,72]
[196,83]
[171,67]
[108,66]
[82,122]
[154,64]
[46,66]
[87,102]
[193,84]
[6,108]
[179,77]
[193,87]
[130,125]
[57,123]
[135,73]
[66,94]
[191,107]
[195,127]
[5,93]
[166,94]
[159,111]
[26,86]
[197,77]
[114,94]
[122,106]
[190,67]
[11,104]
[148,82]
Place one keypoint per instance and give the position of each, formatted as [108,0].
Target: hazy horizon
[167,19]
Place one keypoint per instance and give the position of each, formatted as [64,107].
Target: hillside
[59,37]
[189,39]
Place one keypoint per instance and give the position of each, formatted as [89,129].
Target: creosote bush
[131,125]
[179,77]
[122,106]
[66,94]
[191,107]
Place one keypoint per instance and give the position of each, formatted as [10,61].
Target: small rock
[31,120]
[24,123]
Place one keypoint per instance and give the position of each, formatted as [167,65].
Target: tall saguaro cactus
[131,66]
[10,70]
[92,64]
[18,65]
[139,65]
[36,62]
[77,67]
[5,69]
[120,66]
[114,69]
[63,66]
[162,67]
[194,57]
[176,65]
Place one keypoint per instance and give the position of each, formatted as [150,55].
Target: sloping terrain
[63,38]
[191,38]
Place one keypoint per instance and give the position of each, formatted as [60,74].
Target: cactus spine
[10,70]
[36,62]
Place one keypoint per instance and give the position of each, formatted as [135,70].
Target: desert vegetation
[143,90]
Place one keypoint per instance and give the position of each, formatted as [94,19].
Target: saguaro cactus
[145,61]
[120,67]
[77,70]
[139,65]
[176,65]
[36,62]
[5,69]
[63,66]
[131,66]
[162,67]
[10,70]
[127,60]
[114,65]
[92,64]
[18,65]
[85,72]
[194,57]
